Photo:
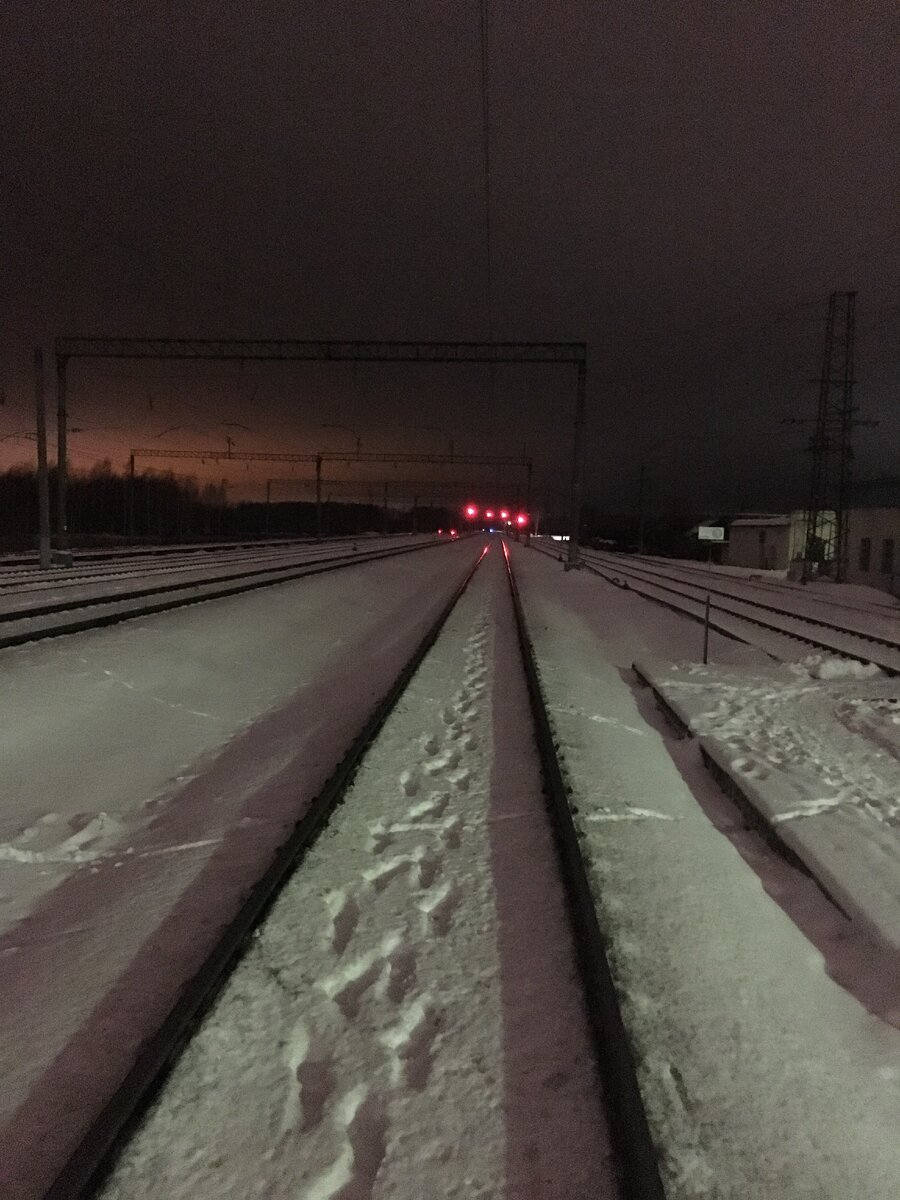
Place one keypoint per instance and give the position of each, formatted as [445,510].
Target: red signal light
[440,531]
[453,533]
[504,514]
[489,513]
[471,510]
[521,519]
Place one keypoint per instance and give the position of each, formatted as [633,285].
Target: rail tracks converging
[635,1154]
[776,629]
[26,617]
[122,564]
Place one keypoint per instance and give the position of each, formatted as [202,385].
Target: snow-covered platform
[814,749]
[762,1076]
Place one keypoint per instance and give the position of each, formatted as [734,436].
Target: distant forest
[105,507]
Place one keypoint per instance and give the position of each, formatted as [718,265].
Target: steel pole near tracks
[43,482]
[577,455]
[528,502]
[706,631]
[62,523]
[318,497]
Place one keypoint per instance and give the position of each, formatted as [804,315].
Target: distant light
[440,531]
[489,513]
[471,510]
[504,514]
[521,519]
[453,533]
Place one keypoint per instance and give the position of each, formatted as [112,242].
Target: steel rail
[29,562]
[750,620]
[94,1155]
[633,1143]
[662,573]
[37,584]
[760,583]
[252,583]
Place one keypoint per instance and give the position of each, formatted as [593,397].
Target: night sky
[680,185]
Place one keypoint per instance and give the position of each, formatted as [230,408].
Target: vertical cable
[486,160]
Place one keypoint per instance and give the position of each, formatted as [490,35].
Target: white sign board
[711,533]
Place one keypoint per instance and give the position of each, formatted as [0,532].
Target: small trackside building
[766,541]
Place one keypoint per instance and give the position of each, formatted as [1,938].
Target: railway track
[79,574]
[28,562]
[833,599]
[637,1171]
[28,621]
[770,627]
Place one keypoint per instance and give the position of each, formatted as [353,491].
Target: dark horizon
[677,187]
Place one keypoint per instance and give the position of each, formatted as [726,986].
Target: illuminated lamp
[471,511]
[504,514]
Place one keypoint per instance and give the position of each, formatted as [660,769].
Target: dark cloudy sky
[678,184]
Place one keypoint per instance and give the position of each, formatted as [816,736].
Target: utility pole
[640,536]
[831,443]
[318,497]
[62,524]
[131,486]
[528,502]
[42,480]
[384,510]
[577,456]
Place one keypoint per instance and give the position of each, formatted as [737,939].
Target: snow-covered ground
[69,585]
[814,747]
[762,1075]
[407,1022]
[148,770]
[853,606]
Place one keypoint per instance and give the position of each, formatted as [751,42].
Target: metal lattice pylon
[825,546]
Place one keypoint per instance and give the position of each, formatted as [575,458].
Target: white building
[771,541]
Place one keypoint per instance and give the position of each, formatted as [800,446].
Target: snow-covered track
[55,618]
[635,1151]
[124,566]
[93,1156]
[10,563]
[831,599]
[739,616]
[622,1105]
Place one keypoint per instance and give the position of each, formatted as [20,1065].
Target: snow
[794,741]
[827,666]
[149,770]
[408,1021]
[761,1074]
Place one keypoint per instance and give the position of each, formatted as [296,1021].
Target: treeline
[105,507]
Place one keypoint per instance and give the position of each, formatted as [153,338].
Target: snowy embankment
[761,1076]
[63,590]
[148,772]
[815,749]
[407,1022]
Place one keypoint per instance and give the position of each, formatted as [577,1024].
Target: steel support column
[43,482]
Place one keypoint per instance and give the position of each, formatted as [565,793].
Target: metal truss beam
[292,350]
[463,460]
[289,350]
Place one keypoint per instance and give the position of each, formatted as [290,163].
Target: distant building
[873,548]
[766,541]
